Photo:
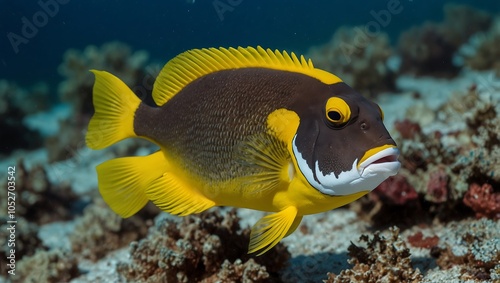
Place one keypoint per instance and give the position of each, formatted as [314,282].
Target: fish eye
[334,115]
[337,111]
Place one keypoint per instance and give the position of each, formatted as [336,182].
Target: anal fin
[172,195]
[123,181]
[270,229]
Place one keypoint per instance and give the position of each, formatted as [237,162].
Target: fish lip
[386,159]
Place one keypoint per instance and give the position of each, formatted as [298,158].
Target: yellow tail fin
[123,181]
[115,105]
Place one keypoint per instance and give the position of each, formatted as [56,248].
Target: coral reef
[442,156]
[15,104]
[476,249]
[41,202]
[358,57]
[428,49]
[440,165]
[394,194]
[382,260]
[437,186]
[26,241]
[395,190]
[483,200]
[100,230]
[47,266]
[481,52]
[114,57]
[209,247]
[419,241]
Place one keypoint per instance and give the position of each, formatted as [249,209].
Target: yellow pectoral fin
[172,195]
[269,230]
[123,181]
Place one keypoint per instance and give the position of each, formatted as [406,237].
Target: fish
[244,127]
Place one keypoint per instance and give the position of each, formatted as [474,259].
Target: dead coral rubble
[47,266]
[475,249]
[209,247]
[382,260]
[26,241]
[428,49]
[40,202]
[358,57]
[100,231]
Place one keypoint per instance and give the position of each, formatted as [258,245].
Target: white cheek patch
[348,182]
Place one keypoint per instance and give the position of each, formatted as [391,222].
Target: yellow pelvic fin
[270,229]
[172,195]
[295,224]
[123,181]
[193,64]
[115,105]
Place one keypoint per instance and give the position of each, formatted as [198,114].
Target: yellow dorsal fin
[195,63]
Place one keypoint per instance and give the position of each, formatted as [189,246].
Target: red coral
[407,128]
[395,190]
[419,241]
[437,187]
[483,201]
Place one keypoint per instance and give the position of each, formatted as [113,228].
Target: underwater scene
[249,141]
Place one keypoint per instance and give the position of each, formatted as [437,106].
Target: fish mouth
[383,161]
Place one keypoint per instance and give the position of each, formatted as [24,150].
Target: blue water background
[166,28]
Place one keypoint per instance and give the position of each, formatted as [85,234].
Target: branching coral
[382,260]
[429,49]
[358,57]
[209,247]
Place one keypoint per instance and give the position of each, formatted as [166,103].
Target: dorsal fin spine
[196,63]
